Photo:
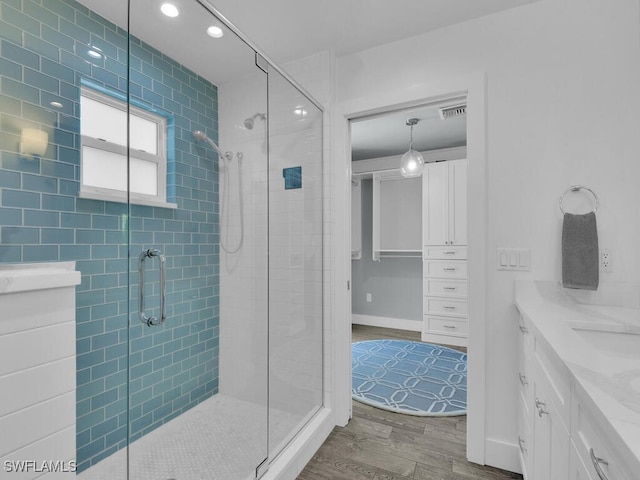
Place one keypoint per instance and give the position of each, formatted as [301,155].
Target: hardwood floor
[382,445]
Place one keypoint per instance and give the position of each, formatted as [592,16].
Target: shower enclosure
[182,173]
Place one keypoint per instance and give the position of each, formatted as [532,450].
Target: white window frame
[159,158]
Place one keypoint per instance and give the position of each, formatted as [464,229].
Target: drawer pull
[522,443]
[448,307]
[523,379]
[540,407]
[523,329]
[449,288]
[452,327]
[449,269]
[597,464]
[448,253]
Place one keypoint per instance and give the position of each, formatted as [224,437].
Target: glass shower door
[198,252]
[295,261]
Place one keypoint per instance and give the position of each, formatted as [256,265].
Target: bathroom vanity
[38,368]
[579,382]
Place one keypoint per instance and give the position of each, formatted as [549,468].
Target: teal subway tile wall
[43,45]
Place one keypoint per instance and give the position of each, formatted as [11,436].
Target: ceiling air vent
[453,111]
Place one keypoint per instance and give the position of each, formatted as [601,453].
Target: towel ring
[577,188]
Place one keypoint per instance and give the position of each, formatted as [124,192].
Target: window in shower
[103,125]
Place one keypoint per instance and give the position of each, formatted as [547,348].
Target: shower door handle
[151,320]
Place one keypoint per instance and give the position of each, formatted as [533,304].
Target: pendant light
[412,162]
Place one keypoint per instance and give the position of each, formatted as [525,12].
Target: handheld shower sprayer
[224,202]
[201,136]
[248,123]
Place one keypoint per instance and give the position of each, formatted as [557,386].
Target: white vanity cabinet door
[525,440]
[525,398]
[551,398]
[550,435]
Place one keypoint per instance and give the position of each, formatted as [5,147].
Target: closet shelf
[377,255]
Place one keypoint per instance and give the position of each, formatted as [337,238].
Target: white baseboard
[502,455]
[387,322]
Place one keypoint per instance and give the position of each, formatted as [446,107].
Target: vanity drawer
[445,253]
[587,434]
[445,306]
[445,269]
[446,326]
[445,288]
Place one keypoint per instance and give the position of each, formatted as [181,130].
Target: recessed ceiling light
[56,104]
[94,54]
[169,9]
[214,31]
[300,111]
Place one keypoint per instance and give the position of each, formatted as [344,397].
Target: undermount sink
[613,343]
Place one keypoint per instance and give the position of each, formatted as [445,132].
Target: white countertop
[37,276]
[600,345]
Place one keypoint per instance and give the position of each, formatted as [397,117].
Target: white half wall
[562,109]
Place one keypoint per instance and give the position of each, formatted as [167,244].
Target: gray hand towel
[580,251]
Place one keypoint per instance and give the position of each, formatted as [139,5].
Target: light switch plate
[514,259]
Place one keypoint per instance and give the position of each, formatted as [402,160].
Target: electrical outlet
[369,297]
[605,260]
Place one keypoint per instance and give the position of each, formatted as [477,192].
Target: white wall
[562,109]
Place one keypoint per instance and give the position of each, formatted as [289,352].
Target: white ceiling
[285,30]
[288,29]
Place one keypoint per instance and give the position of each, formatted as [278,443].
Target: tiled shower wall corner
[175,366]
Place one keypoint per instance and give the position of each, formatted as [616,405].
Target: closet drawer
[445,288]
[447,326]
[445,253]
[445,306]
[445,269]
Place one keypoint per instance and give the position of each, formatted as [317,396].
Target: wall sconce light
[33,142]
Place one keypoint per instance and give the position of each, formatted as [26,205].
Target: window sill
[122,199]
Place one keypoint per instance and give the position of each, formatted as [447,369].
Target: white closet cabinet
[445,203]
[444,250]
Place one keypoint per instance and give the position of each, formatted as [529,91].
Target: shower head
[248,123]
[201,136]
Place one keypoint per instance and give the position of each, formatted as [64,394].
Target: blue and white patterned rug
[410,377]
